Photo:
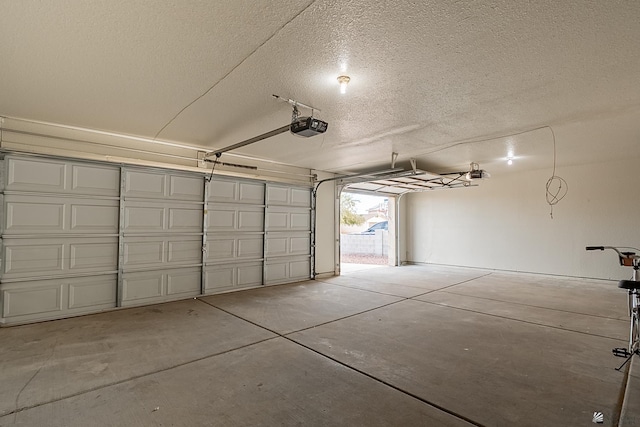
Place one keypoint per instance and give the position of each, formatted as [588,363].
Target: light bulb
[509,162]
[344,81]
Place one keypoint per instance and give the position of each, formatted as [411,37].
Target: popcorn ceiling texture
[424,75]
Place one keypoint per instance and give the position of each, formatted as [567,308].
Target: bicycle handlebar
[627,259]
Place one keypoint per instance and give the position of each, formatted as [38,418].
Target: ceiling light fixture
[510,158]
[344,81]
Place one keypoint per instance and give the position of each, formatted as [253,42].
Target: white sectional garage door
[59,238]
[161,241]
[235,234]
[81,237]
[288,234]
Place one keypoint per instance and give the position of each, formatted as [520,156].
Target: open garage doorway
[366,231]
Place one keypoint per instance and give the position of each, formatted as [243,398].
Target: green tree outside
[348,215]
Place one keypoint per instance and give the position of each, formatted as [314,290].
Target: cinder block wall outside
[365,244]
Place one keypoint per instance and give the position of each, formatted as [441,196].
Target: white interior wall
[505,224]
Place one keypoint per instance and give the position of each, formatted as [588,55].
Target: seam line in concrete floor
[329,282]
[35,374]
[24,408]
[413,298]
[409,286]
[135,377]
[408,393]
[519,320]
[531,305]
[360,312]
[623,390]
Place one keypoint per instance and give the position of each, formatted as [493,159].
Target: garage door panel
[145,252]
[287,244]
[58,176]
[144,219]
[29,301]
[184,251]
[96,180]
[300,197]
[38,257]
[235,218]
[300,220]
[221,219]
[141,286]
[161,251]
[93,256]
[287,270]
[282,218]
[32,299]
[288,196]
[160,285]
[25,217]
[36,175]
[252,193]
[249,275]
[299,245]
[186,188]
[277,220]
[149,217]
[220,249]
[185,220]
[32,214]
[219,278]
[145,184]
[35,258]
[91,293]
[250,220]
[276,246]
[250,247]
[221,190]
[299,269]
[184,282]
[94,219]
[233,247]
[226,277]
[276,273]
[277,195]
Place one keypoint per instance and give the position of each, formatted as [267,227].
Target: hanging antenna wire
[553,197]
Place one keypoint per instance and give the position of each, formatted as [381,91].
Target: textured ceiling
[439,81]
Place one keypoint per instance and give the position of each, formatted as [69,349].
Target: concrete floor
[408,346]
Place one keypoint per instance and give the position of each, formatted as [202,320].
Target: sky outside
[364,202]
